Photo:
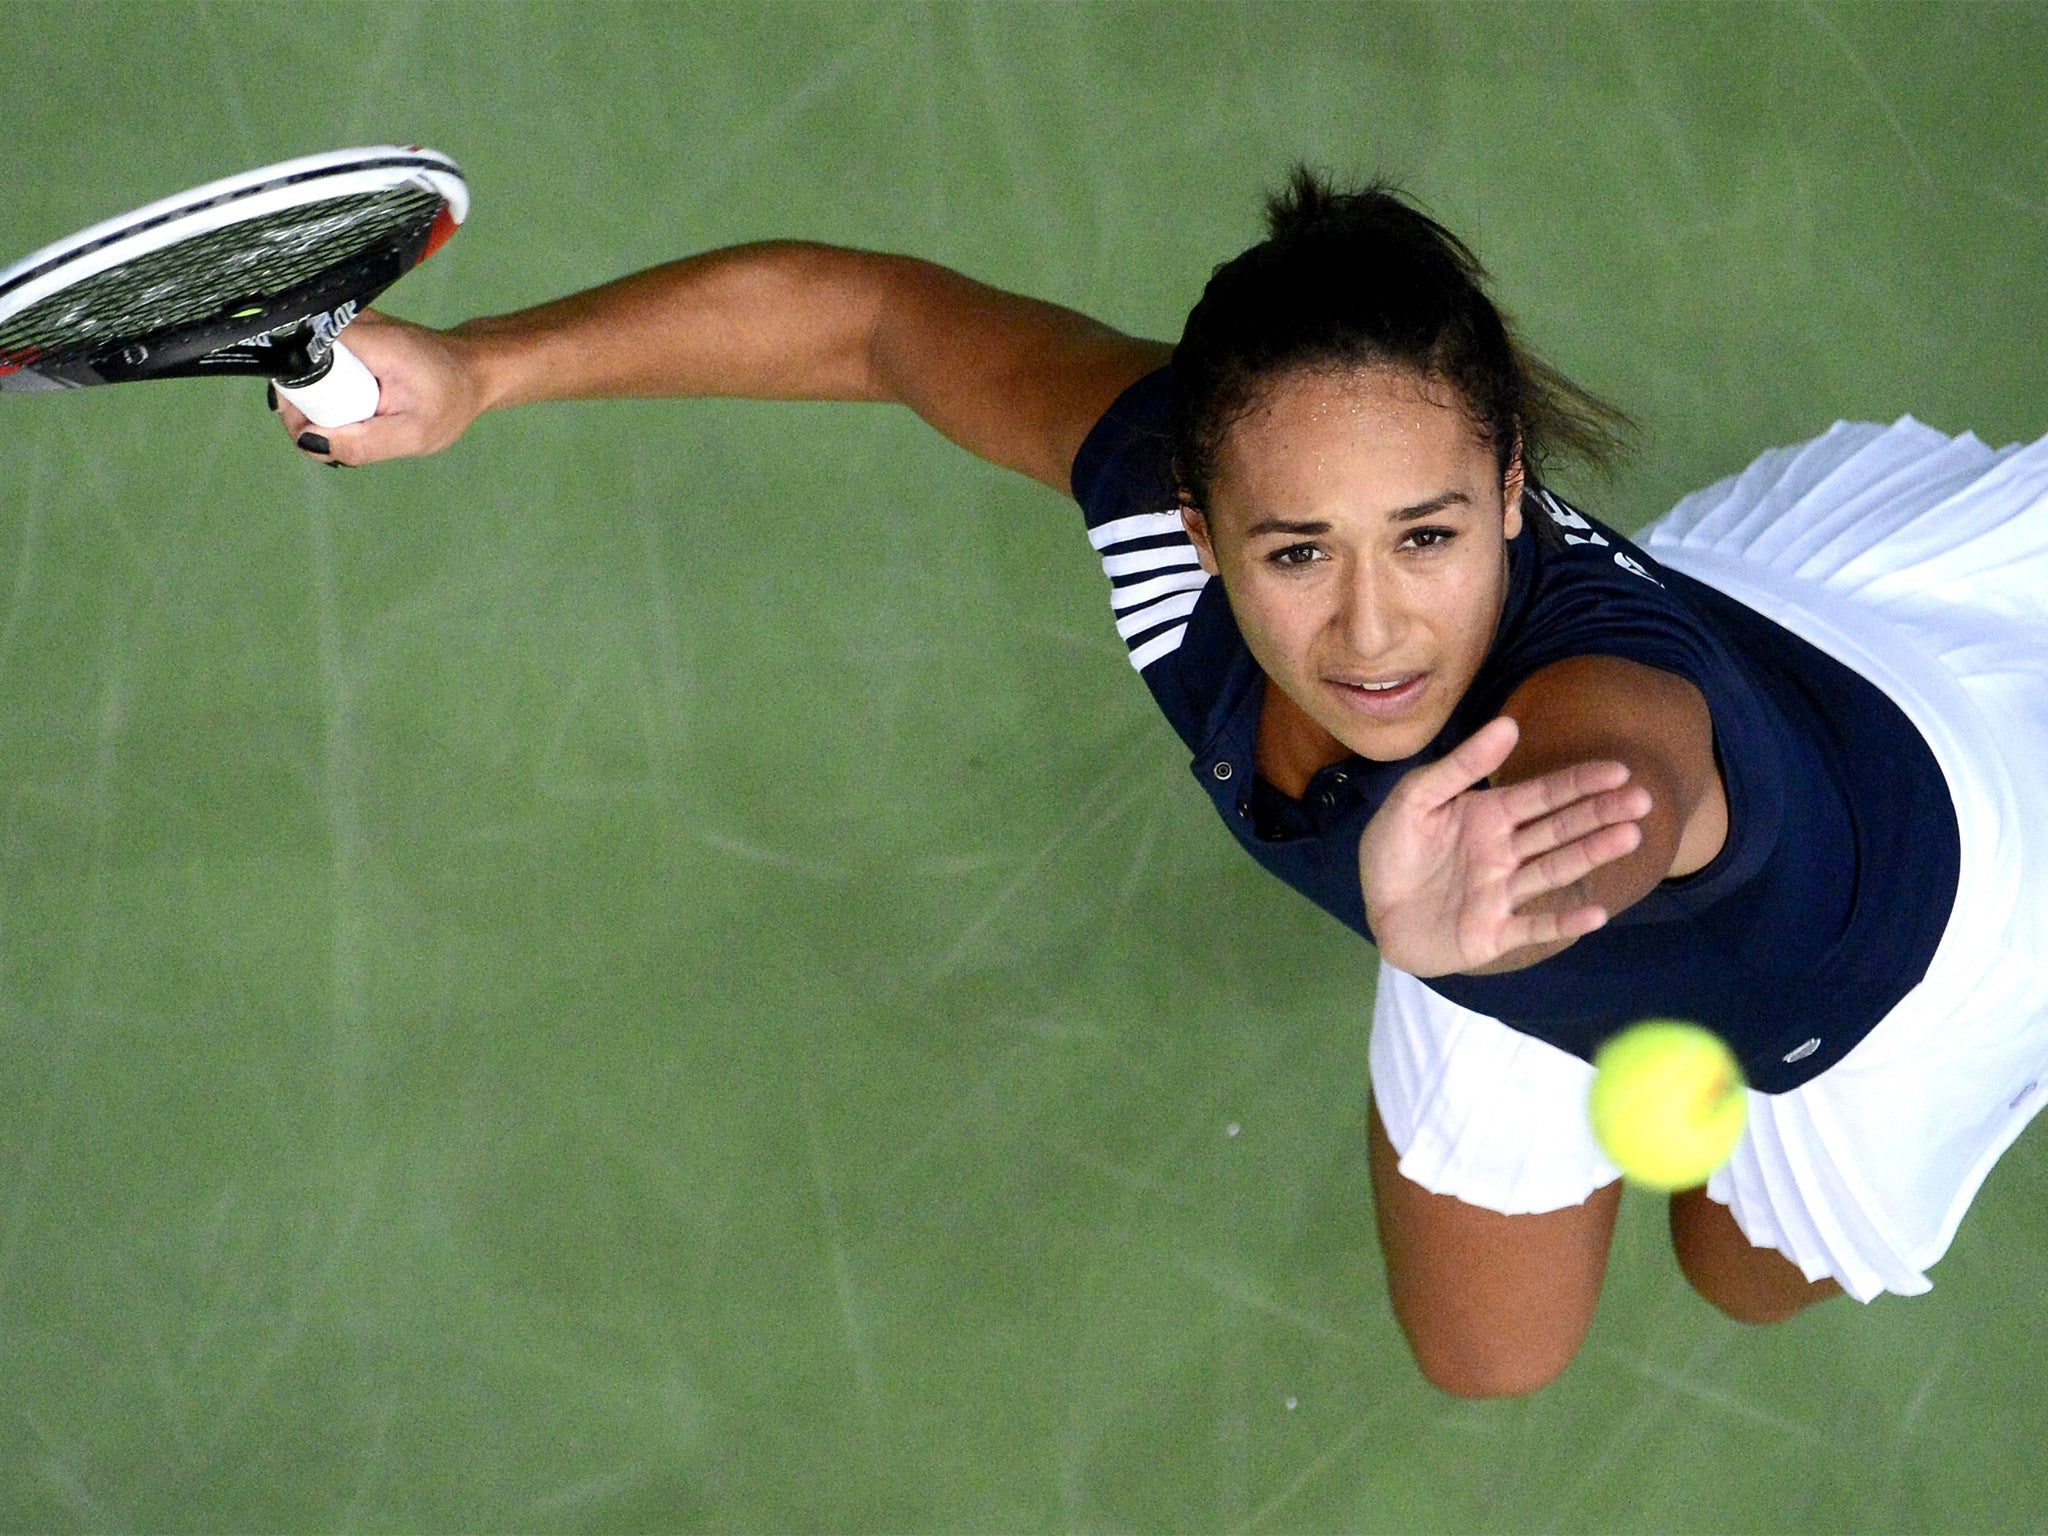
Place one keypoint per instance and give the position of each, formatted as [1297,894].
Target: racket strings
[219,273]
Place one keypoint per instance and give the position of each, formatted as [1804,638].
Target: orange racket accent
[437,235]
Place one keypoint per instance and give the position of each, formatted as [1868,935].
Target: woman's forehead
[1335,432]
[1353,387]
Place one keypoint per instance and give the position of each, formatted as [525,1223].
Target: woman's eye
[1428,538]
[1295,554]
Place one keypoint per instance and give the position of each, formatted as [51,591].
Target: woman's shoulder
[1579,587]
[1172,618]
[1125,464]
[1581,544]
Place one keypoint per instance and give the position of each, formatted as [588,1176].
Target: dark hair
[1363,279]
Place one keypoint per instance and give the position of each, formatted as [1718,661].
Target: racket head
[252,274]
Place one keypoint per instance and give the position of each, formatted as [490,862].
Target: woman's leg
[1751,1285]
[1493,1305]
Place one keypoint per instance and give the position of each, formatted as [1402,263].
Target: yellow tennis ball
[1668,1102]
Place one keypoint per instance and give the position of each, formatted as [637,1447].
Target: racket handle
[342,396]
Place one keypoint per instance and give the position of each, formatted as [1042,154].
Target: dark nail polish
[313,442]
[270,396]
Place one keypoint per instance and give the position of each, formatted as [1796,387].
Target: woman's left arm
[1602,708]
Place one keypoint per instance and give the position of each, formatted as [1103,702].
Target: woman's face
[1360,525]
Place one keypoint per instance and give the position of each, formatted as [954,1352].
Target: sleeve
[1598,595]
[1123,479]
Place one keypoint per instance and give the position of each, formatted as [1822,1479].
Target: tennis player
[1776,766]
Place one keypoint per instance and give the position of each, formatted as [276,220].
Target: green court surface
[658,971]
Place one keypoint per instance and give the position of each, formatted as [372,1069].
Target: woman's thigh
[1493,1305]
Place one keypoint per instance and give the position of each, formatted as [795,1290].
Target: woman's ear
[1511,492]
[1197,527]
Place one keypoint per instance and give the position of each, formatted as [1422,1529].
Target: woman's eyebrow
[1399,514]
[1434,504]
[1283,525]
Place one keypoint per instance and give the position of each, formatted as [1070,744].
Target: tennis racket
[254,275]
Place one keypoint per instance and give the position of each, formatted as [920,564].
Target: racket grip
[342,396]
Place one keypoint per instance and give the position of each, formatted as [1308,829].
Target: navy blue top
[1822,908]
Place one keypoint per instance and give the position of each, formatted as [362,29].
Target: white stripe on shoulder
[1157,599]
[1164,557]
[1121,598]
[1154,614]
[1142,656]
[1146,525]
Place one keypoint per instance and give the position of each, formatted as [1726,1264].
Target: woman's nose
[1366,619]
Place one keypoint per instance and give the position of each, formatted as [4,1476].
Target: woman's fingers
[428,396]
[1631,802]
[1561,787]
[330,445]
[1561,867]
[1525,931]
[1465,765]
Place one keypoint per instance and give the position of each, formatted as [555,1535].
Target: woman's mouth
[1380,698]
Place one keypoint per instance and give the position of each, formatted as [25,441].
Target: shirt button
[1329,798]
[1244,807]
[1222,772]
[1340,777]
[1801,1052]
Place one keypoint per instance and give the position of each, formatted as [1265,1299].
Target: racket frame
[294,346]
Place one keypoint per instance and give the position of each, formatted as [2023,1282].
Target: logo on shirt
[1629,562]
[1578,531]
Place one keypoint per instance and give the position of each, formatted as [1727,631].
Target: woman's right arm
[1014,380]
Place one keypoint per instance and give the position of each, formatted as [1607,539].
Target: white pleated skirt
[1920,561]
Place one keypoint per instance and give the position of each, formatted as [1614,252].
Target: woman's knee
[1750,1284]
[1465,1367]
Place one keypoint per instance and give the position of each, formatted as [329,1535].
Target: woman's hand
[1451,871]
[431,390]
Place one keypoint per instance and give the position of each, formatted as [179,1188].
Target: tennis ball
[1668,1102]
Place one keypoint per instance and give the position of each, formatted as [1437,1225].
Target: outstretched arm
[1014,380]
